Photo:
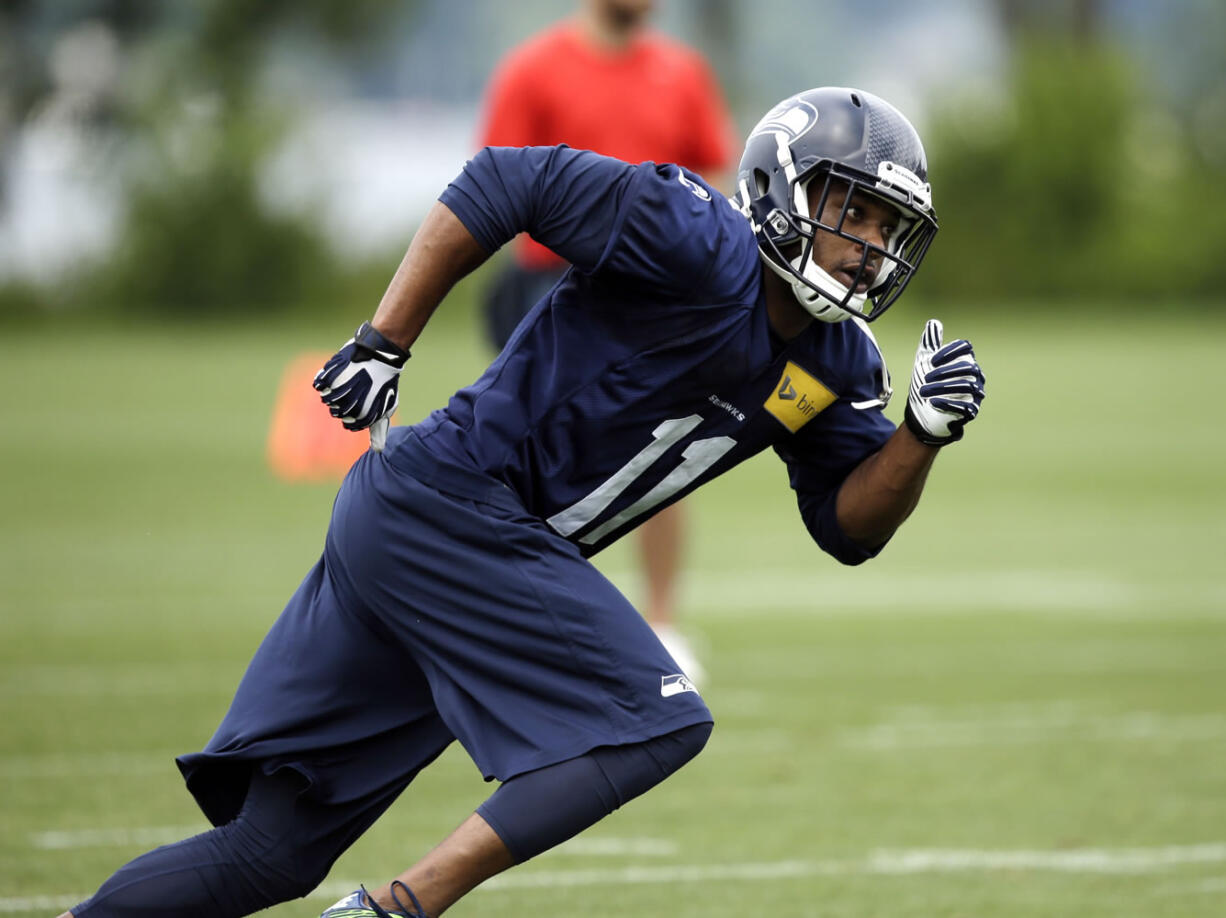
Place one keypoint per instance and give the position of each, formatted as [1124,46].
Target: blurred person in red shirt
[603,80]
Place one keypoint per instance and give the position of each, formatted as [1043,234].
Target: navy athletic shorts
[440,610]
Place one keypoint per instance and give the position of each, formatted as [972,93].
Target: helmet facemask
[787,245]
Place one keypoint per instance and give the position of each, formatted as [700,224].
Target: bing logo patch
[798,398]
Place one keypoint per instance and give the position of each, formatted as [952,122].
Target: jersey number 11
[697,458]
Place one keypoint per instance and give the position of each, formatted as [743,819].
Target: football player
[594,81]
[454,599]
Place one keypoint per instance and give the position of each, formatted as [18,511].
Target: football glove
[946,388]
[359,383]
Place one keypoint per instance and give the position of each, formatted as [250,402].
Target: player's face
[870,219]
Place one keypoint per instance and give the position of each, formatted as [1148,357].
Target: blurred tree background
[176,91]
[1081,166]
[1086,178]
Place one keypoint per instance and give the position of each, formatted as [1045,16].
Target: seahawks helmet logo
[792,118]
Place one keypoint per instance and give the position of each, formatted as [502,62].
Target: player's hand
[359,383]
[946,388]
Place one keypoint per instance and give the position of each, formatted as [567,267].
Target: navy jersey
[650,368]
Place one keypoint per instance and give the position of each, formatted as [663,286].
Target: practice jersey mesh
[650,368]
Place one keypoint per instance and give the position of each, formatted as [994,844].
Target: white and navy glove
[359,383]
[946,388]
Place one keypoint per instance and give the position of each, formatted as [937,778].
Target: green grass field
[1018,710]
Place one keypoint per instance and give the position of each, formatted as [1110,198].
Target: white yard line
[44,904]
[598,846]
[150,836]
[144,836]
[1056,727]
[1077,860]
[68,765]
[784,592]
[90,680]
[670,873]
[1209,886]
[885,862]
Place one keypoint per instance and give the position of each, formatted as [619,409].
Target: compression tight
[533,812]
[279,847]
[282,844]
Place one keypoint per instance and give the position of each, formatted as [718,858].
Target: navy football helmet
[844,138]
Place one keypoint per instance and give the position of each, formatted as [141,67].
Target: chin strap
[817,302]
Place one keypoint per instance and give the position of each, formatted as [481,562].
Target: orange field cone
[305,443]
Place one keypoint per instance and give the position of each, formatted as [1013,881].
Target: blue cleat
[359,904]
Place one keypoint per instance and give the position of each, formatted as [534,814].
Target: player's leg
[467,857]
[510,296]
[661,542]
[279,847]
[532,813]
[342,719]
[549,677]
[660,545]
[501,308]
[537,810]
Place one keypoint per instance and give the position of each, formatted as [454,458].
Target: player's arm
[881,491]
[360,383]
[564,197]
[441,253]
[856,476]
[567,199]
[946,391]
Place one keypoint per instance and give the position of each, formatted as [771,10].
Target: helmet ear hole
[762,181]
